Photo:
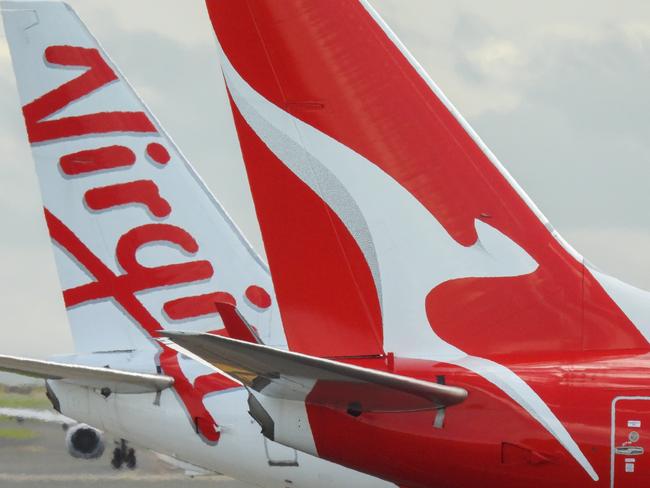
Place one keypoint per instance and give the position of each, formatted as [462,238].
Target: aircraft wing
[292,376]
[38,415]
[117,381]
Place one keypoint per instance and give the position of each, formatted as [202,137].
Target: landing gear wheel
[118,459]
[123,455]
[130,459]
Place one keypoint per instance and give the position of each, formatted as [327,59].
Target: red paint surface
[258,296]
[321,279]
[98,75]
[141,192]
[197,306]
[100,159]
[235,325]
[489,440]
[158,153]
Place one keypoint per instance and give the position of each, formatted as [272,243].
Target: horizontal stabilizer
[236,325]
[47,416]
[116,381]
[292,376]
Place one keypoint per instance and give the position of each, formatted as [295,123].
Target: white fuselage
[242,452]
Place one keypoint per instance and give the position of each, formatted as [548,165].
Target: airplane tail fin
[140,243]
[388,224]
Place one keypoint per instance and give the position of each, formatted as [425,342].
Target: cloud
[631,259]
[638,32]
[185,22]
[481,54]
[19,194]
[34,319]
[579,140]
[5,55]
[496,57]
[600,86]
[29,289]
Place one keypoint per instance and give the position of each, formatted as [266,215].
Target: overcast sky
[558,90]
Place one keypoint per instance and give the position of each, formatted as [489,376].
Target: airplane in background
[440,331]
[86,442]
[141,246]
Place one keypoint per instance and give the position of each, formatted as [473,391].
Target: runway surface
[42,460]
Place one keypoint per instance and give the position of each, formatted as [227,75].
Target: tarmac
[44,461]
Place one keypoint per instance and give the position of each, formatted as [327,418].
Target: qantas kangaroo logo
[122,288]
[332,169]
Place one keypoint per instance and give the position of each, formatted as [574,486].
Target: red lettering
[143,192]
[258,296]
[190,394]
[98,75]
[197,306]
[138,277]
[158,153]
[100,159]
[134,239]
